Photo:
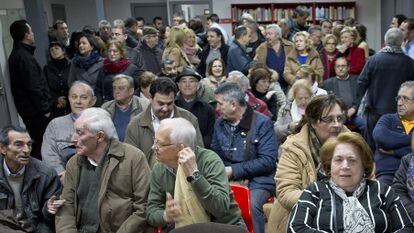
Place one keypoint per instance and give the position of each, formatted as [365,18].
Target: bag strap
[334,212]
[246,154]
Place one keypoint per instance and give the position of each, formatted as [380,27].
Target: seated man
[188,82]
[125,104]
[204,176]
[57,147]
[246,142]
[141,129]
[106,182]
[345,86]
[392,135]
[26,185]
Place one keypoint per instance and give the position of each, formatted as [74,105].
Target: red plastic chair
[242,197]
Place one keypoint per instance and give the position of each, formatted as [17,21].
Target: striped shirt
[313,211]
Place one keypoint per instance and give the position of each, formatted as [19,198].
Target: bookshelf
[267,13]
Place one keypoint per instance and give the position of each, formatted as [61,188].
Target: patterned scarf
[355,217]
[410,178]
[393,49]
[86,62]
[314,146]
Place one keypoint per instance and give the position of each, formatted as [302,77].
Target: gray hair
[81,83]
[98,119]
[104,23]
[182,131]
[232,92]
[238,77]
[410,85]
[276,28]
[393,37]
[126,77]
[314,28]
[118,22]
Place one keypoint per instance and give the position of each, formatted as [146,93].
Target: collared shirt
[7,170]
[125,109]
[156,121]
[409,49]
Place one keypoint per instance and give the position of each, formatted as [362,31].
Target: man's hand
[387,152]
[53,204]
[229,172]
[62,177]
[172,212]
[351,112]
[187,160]
[61,102]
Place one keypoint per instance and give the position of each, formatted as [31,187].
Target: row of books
[265,14]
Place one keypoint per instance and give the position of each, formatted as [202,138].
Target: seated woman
[216,74]
[299,162]
[350,50]
[290,115]
[306,72]
[115,63]
[260,79]
[347,201]
[304,53]
[404,180]
[328,55]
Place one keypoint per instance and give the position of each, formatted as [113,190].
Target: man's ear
[3,149]
[101,136]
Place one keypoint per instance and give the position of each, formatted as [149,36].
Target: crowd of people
[136,126]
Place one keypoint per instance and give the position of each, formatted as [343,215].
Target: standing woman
[190,47]
[57,73]
[115,63]
[328,55]
[87,63]
[173,49]
[362,43]
[304,53]
[350,50]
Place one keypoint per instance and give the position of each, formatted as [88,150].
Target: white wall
[47,5]
[368,12]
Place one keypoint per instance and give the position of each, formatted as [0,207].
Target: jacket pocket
[3,201]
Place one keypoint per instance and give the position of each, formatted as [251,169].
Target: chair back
[242,197]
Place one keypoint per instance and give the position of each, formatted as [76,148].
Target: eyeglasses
[159,145]
[403,99]
[331,119]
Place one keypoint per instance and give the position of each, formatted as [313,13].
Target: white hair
[276,28]
[98,119]
[238,77]
[182,131]
[393,37]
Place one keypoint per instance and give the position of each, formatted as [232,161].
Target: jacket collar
[146,120]
[293,55]
[31,173]
[29,48]
[246,120]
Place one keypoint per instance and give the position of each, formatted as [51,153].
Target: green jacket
[212,189]
[140,132]
[138,105]
[122,196]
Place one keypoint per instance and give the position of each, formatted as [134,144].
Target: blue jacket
[389,135]
[229,145]
[237,58]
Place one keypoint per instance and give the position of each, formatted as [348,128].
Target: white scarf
[355,217]
[294,112]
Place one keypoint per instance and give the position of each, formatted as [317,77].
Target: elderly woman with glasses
[299,161]
[347,201]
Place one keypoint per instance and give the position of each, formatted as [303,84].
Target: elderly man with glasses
[392,135]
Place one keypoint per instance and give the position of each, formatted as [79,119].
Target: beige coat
[261,51]
[295,171]
[138,105]
[292,65]
[123,192]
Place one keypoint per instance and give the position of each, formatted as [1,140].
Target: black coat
[152,57]
[29,87]
[205,115]
[57,73]
[202,67]
[39,183]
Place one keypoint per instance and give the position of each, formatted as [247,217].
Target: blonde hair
[118,44]
[299,85]
[176,38]
[308,40]
[307,71]
[329,37]
[352,31]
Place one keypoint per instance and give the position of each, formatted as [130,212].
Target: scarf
[190,51]
[216,81]
[355,217]
[410,178]
[116,67]
[86,62]
[391,49]
[314,146]
[295,112]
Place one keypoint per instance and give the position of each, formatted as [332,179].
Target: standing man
[57,146]
[105,30]
[150,51]
[125,104]
[238,58]
[381,78]
[29,87]
[315,33]
[26,184]
[213,22]
[393,134]
[106,182]
[157,22]
[407,27]
[62,33]
[141,129]
[246,142]
[326,26]
[216,48]
[273,52]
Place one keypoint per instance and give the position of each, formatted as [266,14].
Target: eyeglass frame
[331,119]
[157,144]
[403,99]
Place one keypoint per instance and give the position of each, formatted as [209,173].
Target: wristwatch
[193,177]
